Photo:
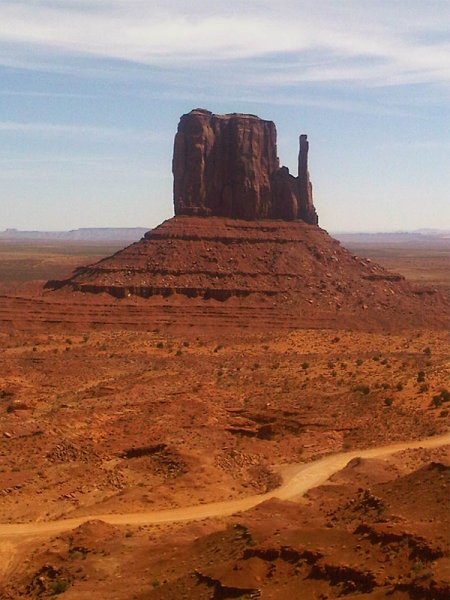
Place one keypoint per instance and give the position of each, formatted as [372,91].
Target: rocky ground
[119,419]
[104,411]
[368,533]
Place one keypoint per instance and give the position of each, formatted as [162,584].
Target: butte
[245,237]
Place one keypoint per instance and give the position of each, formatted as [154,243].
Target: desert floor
[114,419]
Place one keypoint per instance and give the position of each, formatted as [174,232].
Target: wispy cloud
[74,167]
[369,42]
[34,94]
[64,159]
[55,129]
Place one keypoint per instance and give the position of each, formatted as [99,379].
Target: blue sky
[91,92]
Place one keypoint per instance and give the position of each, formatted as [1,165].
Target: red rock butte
[245,234]
[227,166]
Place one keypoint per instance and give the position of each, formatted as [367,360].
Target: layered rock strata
[219,258]
[227,166]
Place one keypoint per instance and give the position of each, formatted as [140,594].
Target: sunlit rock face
[227,166]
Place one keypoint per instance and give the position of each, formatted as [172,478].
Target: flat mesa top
[227,116]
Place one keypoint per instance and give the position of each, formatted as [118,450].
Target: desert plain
[150,456]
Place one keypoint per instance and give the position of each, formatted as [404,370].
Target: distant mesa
[85,234]
[227,166]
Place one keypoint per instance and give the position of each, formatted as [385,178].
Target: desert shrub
[399,387]
[388,401]
[333,373]
[427,351]
[417,566]
[385,386]
[423,388]
[439,399]
[160,345]
[420,376]
[445,395]
[363,389]
[256,365]
[178,352]
[376,358]
[275,365]
[305,365]
[384,361]
[359,362]
[335,340]
[330,364]
[436,401]
[59,586]
[186,344]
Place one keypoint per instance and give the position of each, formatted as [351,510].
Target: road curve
[298,480]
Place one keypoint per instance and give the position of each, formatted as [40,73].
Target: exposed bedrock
[227,166]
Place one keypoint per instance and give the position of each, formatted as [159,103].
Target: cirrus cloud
[369,42]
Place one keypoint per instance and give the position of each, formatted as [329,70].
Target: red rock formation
[227,166]
[307,212]
[240,234]
[297,270]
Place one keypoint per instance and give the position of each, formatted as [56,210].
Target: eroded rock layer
[227,166]
[293,267]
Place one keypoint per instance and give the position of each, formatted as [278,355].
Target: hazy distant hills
[131,234]
[85,234]
[439,237]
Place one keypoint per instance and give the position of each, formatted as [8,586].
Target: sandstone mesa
[246,229]
[227,166]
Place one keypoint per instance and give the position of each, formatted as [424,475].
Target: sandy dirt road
[298,479]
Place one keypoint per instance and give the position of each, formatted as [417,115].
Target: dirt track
[298,479]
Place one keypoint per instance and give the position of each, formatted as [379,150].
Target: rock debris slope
[244,228]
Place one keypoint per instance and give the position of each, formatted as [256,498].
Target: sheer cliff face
[227,165]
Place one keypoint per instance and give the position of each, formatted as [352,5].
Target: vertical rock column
[193,144]
[306,210]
